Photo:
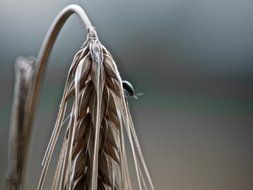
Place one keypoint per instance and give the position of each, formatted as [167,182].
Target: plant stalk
[19,136]
[47,46]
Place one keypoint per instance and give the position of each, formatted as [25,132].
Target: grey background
[191,58]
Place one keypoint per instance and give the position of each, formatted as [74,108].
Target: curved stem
[47,45]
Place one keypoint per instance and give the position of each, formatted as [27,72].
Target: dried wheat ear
[93,154]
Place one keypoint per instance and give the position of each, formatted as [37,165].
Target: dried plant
[19,129]
[94,114]
[93,154]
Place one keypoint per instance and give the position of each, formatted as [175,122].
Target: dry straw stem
[19,128]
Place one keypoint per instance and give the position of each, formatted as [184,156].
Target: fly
[129,90]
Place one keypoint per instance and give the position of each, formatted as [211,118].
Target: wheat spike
[93,154]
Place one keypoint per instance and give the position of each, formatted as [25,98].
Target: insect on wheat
[93,154]
[94,114]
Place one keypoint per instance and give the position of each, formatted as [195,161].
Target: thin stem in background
[19,129]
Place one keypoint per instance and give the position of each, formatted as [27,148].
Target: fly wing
[135,96]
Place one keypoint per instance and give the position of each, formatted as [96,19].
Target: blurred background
[192,59]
